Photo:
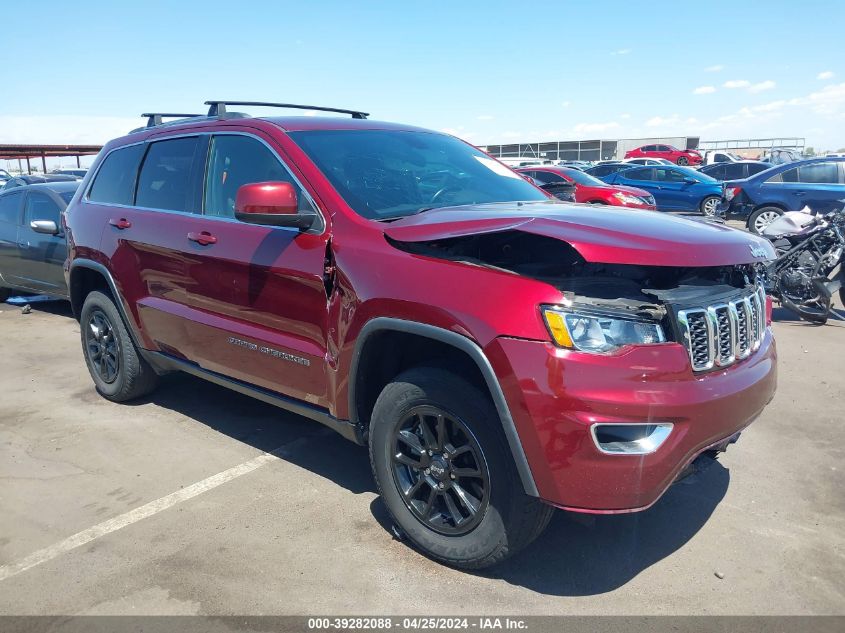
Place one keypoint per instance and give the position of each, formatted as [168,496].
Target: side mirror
[47,227]
[690,181]
[272,203]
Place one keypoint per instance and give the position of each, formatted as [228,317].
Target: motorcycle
[809,248]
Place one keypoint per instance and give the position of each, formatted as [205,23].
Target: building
[606,149]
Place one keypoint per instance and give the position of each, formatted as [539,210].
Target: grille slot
[719,335]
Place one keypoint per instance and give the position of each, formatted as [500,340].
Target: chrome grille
[721,334]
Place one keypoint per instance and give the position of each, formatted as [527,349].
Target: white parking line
[142,512]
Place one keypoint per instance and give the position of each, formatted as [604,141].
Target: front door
[257,294]
[42,256]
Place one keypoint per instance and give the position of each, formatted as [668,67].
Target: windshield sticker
[496,167]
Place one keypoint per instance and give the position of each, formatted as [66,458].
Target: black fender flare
[90,264]
[471,349]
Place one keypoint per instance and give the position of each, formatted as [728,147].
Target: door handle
[800,193]
[121,224]
[204,238]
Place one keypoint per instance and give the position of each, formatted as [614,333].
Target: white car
[648,161]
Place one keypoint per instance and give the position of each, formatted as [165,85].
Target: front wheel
[710,205]
[763,217]
[117,369]
[683,161]
[445,473]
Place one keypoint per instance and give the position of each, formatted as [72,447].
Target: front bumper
[556,395]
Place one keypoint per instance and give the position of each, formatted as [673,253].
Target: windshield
[581,178]
[385,174]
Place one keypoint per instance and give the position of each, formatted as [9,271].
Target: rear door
[643,178]
[42,256]
[819,186]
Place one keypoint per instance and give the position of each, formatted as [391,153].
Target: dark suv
[500,352]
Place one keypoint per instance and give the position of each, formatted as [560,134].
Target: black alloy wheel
[683,161]
[102,346]
[439,468]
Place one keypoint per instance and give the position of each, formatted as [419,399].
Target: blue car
[818,183]
[674,188]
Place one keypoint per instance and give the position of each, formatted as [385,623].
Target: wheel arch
[85,276]
[369,372]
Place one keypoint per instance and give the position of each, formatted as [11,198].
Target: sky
[489,72]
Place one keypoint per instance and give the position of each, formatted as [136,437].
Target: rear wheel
[683,161]
[445,474]
[710,205]
[118,371]
[5,293]
[763,217]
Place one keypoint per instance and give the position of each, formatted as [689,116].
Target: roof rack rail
[218,108]
[154,118]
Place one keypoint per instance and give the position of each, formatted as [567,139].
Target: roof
[61,186]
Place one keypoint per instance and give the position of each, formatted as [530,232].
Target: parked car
[781,156]
[605,169]
[32,240]
[500,353]
[76,172]
[591,190]
[647,161]
[672,154]
[674,188]
[31,179]
[734,170]
[562,190]
[720,156]
[817,183]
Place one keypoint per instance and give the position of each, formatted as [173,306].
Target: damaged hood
[599,234]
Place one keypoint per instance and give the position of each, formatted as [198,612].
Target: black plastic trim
[476,354]
[344,427]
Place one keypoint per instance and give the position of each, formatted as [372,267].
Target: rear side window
[668,175]
[234,161]
[41,207]
[638,174]
[718,173]
[166,178]
[547,177]
[115,180]
[10,206]
[732,171]
[819,173]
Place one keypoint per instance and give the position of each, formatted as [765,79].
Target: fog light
[630,439]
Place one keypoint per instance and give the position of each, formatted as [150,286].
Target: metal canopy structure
[27,152]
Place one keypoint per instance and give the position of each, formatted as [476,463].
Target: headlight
[597,333]
[624,198]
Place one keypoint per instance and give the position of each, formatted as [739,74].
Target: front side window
[41,207]
[235,161]
[10,205]
[648,148]
[386,174]
[115,180]
[819,173]
[165,181]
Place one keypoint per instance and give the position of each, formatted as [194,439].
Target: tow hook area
[707,458]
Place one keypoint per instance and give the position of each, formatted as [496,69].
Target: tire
[683,161]
[118,371]
[709,206]
[5,293]
[506,519]
[760,219]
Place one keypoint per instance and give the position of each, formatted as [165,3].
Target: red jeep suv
[500,352]
[677,156]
